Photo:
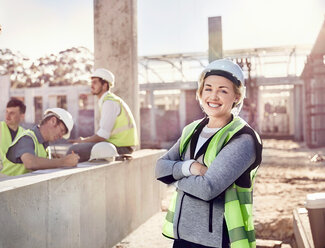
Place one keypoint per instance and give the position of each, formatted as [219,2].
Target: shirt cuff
[102,133]
[186,167]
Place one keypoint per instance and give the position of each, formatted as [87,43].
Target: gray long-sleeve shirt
[191,218]
[25,145]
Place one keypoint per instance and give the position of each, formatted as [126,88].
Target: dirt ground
[287,174]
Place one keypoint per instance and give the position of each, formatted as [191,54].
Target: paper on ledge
[79,165]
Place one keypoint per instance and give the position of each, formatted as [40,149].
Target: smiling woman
[215,159]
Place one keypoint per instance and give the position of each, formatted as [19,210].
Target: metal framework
[282,61]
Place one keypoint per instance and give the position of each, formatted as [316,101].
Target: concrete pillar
[30,107]
[215,38]
[296,114]
[182,110]
[73,108]
[153,131]
[52,101]
[115,33]
[4,95]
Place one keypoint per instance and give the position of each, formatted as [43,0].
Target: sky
[40,27]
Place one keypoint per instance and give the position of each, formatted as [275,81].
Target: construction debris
[317,158]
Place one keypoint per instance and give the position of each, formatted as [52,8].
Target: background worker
[116,124]
[213,166]
[30,150]
[9,128]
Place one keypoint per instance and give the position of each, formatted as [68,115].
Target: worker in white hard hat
[30,150]
[116,124]
[213,166]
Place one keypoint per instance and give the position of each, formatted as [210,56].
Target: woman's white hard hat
[106,75]
[63,116]
[227,66]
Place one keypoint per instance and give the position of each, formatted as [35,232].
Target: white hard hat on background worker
[63,116]
[106,75]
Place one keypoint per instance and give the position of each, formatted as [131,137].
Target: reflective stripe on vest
[15,169]
[124,131]
[6,139]
[238,200]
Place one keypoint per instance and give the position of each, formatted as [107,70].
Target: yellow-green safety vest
[15,169]
[238,201]
[6,138]
[124,131]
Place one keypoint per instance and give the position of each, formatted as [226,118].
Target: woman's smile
[213,105]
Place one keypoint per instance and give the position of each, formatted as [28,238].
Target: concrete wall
[82,207]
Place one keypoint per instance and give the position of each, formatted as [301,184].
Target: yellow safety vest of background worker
[10,128]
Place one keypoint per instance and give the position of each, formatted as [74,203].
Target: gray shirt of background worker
[25,145]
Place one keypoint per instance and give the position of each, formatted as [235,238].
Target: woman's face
[218,97]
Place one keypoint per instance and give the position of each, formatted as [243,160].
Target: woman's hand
[198,169]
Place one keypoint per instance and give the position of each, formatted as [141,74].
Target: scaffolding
[281,61]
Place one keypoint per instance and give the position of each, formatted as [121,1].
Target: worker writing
[10,127]
[30,150]
[117,134]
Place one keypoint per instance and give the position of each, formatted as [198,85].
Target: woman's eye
[207,89]
[224,92]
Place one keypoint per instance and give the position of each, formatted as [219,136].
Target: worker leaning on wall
[117,134]
[30,150]
[10,127]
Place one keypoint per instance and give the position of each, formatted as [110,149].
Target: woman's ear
[237,98]
[235,102]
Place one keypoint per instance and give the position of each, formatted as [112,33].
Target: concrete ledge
[82,207]
[301,228]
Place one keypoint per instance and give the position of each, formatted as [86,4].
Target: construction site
[285,104]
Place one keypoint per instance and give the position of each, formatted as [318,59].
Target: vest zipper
[210,215]
[179,216]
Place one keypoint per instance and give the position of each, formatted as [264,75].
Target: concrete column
[115,33]
[4,95]
[153,131]
[182,110]
[215,38]
[73,108]
[52,101]
[30,107]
